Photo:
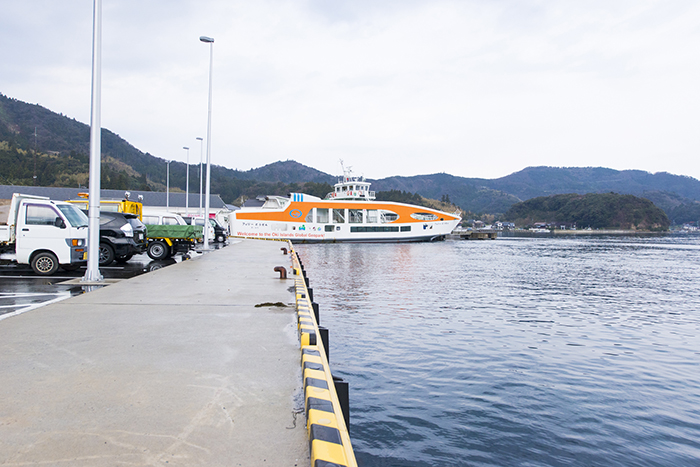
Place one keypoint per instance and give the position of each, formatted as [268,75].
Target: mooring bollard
[282,270]
[311,294]
[284,251]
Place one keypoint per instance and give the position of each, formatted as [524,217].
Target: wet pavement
[21,289]
[184,366]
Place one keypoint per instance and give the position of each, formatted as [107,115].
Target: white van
[161,218]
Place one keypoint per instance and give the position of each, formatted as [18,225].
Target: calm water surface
[518,351]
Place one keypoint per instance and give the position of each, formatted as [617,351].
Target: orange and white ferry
[347,214]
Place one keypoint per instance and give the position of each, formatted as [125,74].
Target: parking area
[22,290]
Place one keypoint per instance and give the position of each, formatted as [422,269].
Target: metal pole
[167,187]
[187,185]
[201,152]
[210,41]
[92,274]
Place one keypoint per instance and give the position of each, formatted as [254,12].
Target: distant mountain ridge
[129,168]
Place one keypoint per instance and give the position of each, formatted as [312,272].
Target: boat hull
[352,222]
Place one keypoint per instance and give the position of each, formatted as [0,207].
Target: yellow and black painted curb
[329,439]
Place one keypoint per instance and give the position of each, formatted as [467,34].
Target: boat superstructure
[350,213]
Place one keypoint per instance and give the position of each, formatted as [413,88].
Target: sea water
[517,351]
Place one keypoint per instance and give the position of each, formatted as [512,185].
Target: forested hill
[58,156]
[61,159]
[594,210]
[677,195]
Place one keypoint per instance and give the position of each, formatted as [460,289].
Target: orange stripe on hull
[303,208]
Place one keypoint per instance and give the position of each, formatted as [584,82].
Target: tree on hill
[595,210]
[400,197]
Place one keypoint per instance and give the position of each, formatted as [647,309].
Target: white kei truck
[43,233]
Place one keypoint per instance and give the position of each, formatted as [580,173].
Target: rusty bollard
[284,251]
[282,270]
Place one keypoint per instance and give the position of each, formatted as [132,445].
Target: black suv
[121,237]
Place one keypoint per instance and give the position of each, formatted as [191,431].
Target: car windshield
[75,216]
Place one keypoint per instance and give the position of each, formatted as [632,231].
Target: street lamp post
[167,187]
[187,184]
[201,151]
[92,274]
[210,41]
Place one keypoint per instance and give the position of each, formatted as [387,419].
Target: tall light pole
[201,151]
[92,274]
[187,184]
[167,187]
[210,41]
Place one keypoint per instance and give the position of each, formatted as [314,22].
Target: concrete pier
[175,367]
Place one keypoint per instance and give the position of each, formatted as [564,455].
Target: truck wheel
[106,254]
[158,250]
[45,263]
[123,259]
[220,239]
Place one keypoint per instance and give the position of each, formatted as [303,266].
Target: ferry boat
[350,213]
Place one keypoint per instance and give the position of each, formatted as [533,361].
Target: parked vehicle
[220,233]
[121,237]
[123,205]
[43,233]
[216,232]
[169,234]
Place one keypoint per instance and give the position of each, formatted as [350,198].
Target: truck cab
[43,233]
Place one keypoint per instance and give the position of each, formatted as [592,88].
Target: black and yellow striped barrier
[329,440]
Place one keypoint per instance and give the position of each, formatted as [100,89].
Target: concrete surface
[174,367]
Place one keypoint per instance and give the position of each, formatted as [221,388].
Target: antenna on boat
[347,173]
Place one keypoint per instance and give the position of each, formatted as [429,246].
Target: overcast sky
[475,88]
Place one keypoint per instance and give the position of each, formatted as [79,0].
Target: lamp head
[209,40]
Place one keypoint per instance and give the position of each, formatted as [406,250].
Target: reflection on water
[541,351]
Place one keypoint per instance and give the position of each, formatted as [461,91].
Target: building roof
[150,198]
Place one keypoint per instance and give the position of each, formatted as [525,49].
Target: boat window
[405,228]
[339,216]
[374,229]
[328,228]
[355,216]
[423,216]
[322,215]
[372,216]
[387,216]
[310,216]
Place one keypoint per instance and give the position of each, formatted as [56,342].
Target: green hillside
[594,210]
[61,146]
